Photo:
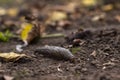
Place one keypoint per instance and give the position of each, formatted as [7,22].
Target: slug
[55,52]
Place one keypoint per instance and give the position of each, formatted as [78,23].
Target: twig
[52,35]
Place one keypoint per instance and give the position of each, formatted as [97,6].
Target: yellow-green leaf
[25,31]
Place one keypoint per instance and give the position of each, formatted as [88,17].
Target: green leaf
[5,36]
[2,38]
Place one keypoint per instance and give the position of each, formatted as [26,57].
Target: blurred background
[59,13]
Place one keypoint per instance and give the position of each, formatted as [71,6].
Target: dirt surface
[97,59]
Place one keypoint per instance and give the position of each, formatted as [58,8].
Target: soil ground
[104,66]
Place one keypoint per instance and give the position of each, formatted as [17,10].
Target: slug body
[55,52]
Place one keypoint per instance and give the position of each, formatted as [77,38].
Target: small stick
[52,35]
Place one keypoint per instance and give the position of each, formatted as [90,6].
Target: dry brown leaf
[11,56]
[108,7]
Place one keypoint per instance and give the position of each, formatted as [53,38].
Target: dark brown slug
[55,52]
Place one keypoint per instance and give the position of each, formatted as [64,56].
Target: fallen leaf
[89,2]
[107,7]
[5,36]
[11,56]
[12,12]
[30,32]
[58,20]
[26,28]
[56,16]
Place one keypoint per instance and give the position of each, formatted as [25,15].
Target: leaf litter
[12,57]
